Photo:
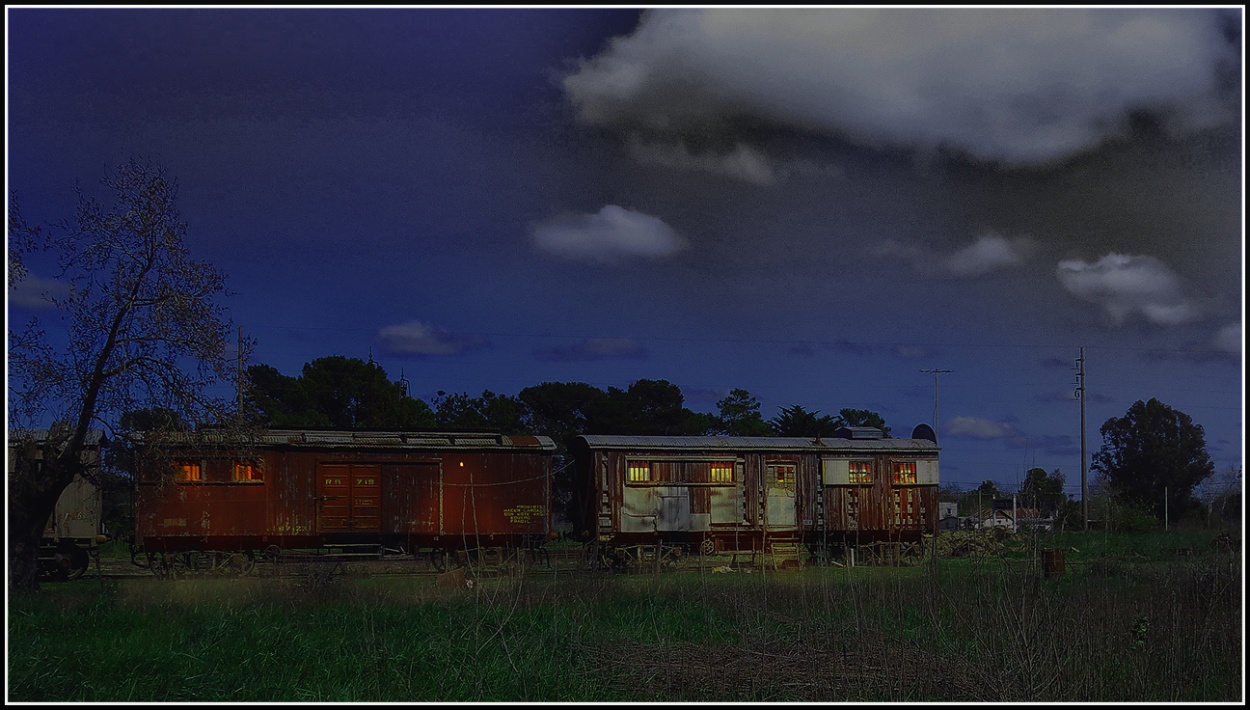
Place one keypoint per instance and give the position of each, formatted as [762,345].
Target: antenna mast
[935,372]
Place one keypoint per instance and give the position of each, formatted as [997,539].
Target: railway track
[294,565]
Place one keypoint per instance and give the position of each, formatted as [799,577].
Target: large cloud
[1017,85]
[1129,285]
[415,338]
[610,235]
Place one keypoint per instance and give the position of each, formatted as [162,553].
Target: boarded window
[187,471]
[639,471]
[905,472]
[245,471]
[861,472]
[722,473]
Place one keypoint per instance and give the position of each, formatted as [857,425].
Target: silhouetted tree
[797,421]
[142,330]
[1042,491]
[740,416]
[862,417]
[1154,456]
[335,391]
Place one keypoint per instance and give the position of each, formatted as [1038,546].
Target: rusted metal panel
[322,486]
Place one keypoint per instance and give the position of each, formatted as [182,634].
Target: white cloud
[1020,85]
[417,338]
[1126,285]
[990,252]
[978,428]
[610,235]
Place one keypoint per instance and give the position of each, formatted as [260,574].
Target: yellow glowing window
[722,473]
[187,471]
[905,472]
[246,472]
[861,471]
[639,472]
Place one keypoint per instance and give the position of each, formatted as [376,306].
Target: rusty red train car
[658,496]
[299,489]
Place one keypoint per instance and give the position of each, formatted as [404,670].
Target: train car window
[722,473]
[639,471]
[246,471]
[187,471]
[783,476]
[905,472]
[860,471]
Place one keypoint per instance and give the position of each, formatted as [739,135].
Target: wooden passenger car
[306,488]
[713,494]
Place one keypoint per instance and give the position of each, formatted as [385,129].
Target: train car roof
[333,438]
[756,443]
[95,437]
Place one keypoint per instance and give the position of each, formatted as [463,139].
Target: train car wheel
[438,559]
[78,560]
[707,547]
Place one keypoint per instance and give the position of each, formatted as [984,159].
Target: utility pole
[1080,394]
[935,372]
[238,381]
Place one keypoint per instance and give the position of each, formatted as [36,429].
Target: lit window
[861,471]
[783,476]
[244,471]
[905,472]
[187,471]
[722,473]
[639,472]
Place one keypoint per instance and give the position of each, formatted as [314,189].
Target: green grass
[971,630]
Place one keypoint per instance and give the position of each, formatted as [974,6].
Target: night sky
[813,205]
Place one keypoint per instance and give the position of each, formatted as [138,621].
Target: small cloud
[978,428]
[595,349]
[415,338]
[903,351]
[702,396]
[1129,285]
[1228,339]
[990,252]
[841,345]
[608,236]
[36,293]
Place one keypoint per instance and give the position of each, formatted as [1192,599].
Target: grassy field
[1130,620]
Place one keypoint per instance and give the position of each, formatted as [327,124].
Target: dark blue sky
[813,205]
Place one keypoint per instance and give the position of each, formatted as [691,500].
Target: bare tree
[138,327]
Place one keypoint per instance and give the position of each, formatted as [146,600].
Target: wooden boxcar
[657,495]
[75,529]
[300,489]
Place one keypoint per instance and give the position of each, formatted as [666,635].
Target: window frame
[902,476]
[183,467]
[860,477]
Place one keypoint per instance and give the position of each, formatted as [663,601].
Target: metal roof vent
[859,432]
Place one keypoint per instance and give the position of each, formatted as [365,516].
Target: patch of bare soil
[779,672]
